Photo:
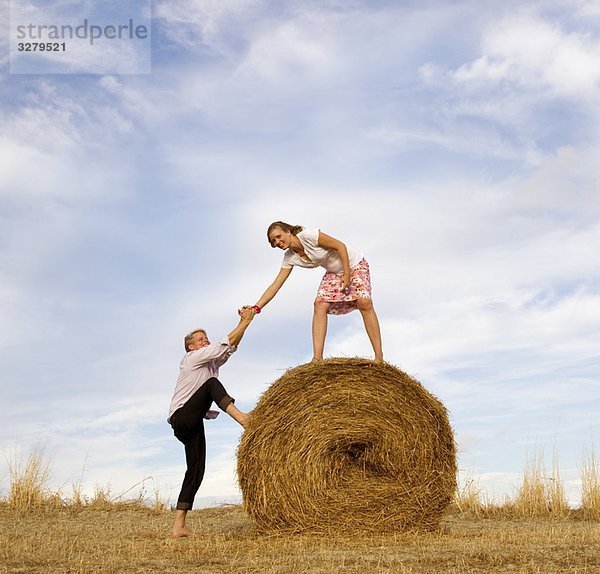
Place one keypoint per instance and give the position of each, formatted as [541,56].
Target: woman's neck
[295,244]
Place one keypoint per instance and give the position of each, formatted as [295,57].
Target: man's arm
[246,316]
[212,352]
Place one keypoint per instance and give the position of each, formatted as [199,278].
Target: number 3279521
[42,47]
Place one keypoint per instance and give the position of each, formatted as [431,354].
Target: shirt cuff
[225,341]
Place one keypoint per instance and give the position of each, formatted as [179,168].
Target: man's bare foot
[237,415]
[184,532]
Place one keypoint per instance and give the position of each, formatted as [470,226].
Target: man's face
[198,341]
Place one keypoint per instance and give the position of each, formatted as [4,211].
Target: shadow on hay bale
[346,445]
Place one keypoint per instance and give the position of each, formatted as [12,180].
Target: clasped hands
[248,312]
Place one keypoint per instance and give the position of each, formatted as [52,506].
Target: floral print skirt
[342,302]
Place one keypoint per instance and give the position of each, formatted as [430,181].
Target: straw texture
[347,445]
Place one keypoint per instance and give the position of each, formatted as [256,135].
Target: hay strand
[347,445]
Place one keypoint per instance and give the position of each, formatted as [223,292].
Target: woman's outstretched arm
[274,287]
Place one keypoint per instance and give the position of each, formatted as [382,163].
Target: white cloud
[50,147]
[588,8]
[532,88]
[527,50]
[468,139]
[192,23]
[295,52]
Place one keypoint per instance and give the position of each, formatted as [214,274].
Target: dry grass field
[134,540]
[44,532]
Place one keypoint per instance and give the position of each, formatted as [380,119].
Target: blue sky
[455,143]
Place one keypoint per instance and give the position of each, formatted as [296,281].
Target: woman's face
[280,238]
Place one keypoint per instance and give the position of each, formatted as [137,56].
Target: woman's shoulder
[310,234]
[308,230]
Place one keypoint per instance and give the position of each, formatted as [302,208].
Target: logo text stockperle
[84,31]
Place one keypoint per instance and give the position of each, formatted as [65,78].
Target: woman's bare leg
[319,329]
[365,306]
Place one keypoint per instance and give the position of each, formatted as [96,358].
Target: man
[196,389]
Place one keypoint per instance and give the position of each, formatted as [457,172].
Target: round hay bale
[347,445]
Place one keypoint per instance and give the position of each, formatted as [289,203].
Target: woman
[345,286]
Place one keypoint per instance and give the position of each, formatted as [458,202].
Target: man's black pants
[188,426]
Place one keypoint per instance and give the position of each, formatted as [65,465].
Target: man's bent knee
[364,304]
[218,393]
